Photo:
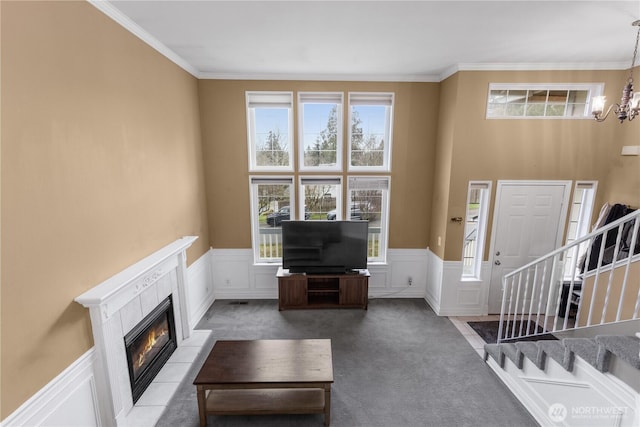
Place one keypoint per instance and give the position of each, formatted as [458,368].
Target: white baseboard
[70,399]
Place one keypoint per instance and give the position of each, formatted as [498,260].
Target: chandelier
[629,106]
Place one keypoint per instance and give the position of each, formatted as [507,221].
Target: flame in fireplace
[153,337]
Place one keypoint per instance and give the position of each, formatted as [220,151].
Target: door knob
[497,262]
[498,253]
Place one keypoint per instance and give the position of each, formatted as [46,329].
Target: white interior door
[528,223]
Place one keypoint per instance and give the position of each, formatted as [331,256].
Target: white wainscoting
[449,295]
[236,277]
[71,398]
[199,289]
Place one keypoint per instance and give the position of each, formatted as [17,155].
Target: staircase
[587,295]
[573,381]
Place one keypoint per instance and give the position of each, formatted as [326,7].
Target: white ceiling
[380,40]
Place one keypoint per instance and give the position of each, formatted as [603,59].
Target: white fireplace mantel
[119,303]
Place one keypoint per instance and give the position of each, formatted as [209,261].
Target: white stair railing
[549,294]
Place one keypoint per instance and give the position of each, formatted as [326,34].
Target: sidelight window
[579,221]
[475,228]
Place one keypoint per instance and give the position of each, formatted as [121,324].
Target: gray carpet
[396,364]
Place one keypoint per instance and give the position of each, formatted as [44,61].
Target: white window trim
[481,230]
[374,99]
[269,98]
[321,98]
[594,89]
[384,223]
[255,224]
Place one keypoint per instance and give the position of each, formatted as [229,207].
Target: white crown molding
[322,77]
[112,12]
[532,66]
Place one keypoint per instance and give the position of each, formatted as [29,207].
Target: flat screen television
[324,247]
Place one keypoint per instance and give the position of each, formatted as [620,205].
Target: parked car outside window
[283,214]
[356,213]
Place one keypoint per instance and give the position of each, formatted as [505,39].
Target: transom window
[320,118]
[270,128]
[540,101]
[370,115]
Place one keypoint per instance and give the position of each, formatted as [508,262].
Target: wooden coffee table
[266,377]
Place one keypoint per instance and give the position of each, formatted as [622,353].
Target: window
[272,201]
[322,197]
[320,124]
[320,150]
[269,130]
[475,228]
[370,116]
[579,221]
[564,101]
[369,200]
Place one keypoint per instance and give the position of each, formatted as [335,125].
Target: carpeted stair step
[626,348]
[512,352]
[558,352]
[533,352]
[495,351]
[589,350]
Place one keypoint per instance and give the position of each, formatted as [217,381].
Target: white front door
[528,222]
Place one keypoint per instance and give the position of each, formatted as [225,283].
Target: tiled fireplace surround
[120,303]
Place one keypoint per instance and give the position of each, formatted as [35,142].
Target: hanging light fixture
[629,106]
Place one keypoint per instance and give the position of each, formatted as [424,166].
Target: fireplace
[149,345]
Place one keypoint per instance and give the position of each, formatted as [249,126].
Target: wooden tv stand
[298,290]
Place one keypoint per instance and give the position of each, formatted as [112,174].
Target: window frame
[268,99]
[593,90]
[336,98]
[357,182]
[386,99]
[254,181]
[481,229]
[583,223]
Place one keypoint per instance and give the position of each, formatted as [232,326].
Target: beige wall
[442,167]
[101,166]
[532,149]
[224,133]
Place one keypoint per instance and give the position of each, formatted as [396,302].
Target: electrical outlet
[410,280]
